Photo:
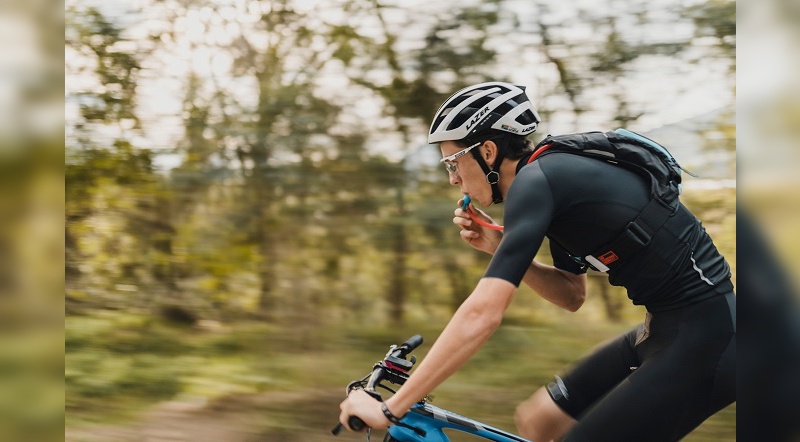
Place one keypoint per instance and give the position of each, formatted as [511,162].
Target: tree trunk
[266,301]
[612,305]
[397,293]
[458,289]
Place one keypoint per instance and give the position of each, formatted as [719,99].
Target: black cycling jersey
[662,379]
[582,204]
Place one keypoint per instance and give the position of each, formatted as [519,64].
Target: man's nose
[454,179]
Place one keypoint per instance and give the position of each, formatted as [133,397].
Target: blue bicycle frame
[432,420]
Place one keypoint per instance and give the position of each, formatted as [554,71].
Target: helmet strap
[493,174]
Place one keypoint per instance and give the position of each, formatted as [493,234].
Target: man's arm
[564,289]
[469,328]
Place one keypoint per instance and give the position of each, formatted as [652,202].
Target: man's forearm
[564,290]
[471,326]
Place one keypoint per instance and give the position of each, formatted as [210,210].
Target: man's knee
[539,418]
[522,414]
[525,416]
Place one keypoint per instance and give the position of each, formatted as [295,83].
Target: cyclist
[656,382]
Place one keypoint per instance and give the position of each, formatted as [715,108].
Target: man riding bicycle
[658,381]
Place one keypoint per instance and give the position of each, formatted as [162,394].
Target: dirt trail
[303,416]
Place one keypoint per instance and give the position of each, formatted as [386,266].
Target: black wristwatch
[386,412]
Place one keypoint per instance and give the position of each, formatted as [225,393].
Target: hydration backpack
[640,154]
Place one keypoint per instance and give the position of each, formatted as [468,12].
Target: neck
[508,171]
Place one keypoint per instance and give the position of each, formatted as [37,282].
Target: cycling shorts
[658,381]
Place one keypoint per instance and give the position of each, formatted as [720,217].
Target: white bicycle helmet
[474,109]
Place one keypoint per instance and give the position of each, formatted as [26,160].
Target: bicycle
[424,422]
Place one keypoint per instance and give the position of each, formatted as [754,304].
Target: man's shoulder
[566,165]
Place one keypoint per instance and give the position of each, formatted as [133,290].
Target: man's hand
[365,407]
[477,236]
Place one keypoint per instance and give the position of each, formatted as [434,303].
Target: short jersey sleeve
[527,216]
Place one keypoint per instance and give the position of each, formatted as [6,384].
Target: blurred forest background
[253,216]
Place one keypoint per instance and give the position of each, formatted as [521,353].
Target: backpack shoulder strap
[636,236]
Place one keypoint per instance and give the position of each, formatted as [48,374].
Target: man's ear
[489,152]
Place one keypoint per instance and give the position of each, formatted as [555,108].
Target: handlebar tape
[413,342]
[407,347]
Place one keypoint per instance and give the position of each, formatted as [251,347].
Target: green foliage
[277,205]
[32,403]
[94,35]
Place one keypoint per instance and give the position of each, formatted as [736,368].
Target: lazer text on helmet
[477,117]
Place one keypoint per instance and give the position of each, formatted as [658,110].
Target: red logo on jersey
[608,257]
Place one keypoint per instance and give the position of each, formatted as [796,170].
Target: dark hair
[514,146]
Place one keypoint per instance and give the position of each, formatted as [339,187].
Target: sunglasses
[450,160]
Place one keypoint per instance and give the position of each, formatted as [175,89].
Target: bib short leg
[657,382]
